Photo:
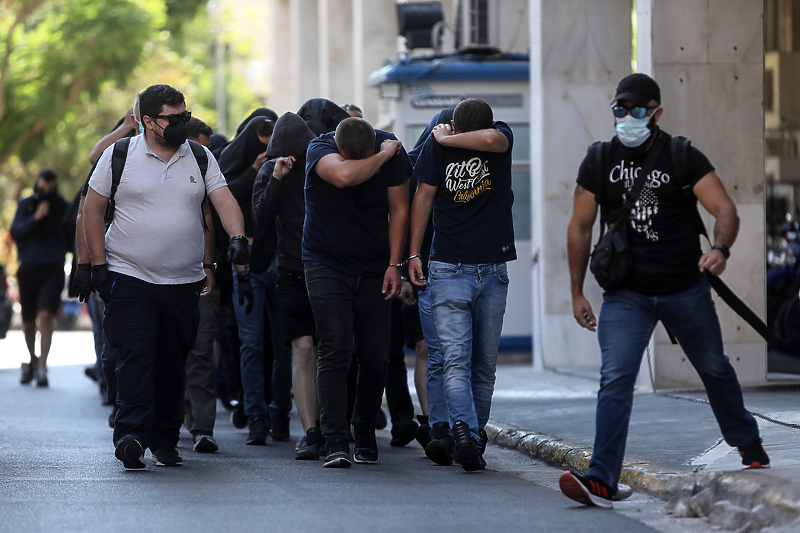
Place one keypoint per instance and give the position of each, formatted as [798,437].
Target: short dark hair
[47,174]
[196,127]
[153,99]
[472,114]
[266,128]
[355,138]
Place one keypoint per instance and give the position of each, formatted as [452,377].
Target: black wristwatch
[722,248]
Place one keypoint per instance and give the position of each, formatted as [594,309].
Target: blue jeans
[626,322]
[434,381]
[351,314]
[468,303]
[251,350]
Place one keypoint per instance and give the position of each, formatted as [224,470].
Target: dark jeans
[627,320]
[351,314]
[153,327]
[398,397]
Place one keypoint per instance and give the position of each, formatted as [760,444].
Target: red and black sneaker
[586,490]
[754,456]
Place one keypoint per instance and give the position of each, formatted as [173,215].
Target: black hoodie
[283,198]
[321,115]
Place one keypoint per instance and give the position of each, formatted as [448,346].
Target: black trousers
[153,329]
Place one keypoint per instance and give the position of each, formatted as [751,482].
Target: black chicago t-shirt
[663,236]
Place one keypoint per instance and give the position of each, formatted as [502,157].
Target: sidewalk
[675,450]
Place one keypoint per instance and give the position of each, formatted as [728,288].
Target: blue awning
[454,67]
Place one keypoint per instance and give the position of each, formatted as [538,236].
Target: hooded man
[278,198]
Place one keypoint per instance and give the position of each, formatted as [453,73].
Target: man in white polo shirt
[148,268]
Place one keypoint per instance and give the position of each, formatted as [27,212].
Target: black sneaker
[257,436]
[366,451]
[423,434]
[337,454]
[467,449]
[238,418]
[279,428]
[480,462]
[310,445]
[403,432]
[204,442]
[440,448]
[29,370]
[586,490]
[754,456]
[166,457]
[130,451]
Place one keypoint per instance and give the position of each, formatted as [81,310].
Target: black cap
[639,89]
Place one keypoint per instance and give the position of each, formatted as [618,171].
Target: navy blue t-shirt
[348,228]
[472,221]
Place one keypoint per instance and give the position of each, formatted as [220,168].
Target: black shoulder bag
[611,260]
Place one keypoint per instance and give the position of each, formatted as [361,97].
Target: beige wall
[708,57]
[573,77]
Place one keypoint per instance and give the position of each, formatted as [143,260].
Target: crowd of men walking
[301,259]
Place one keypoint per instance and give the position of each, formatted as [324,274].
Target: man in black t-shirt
[667,282]
[464,174]
[355,225]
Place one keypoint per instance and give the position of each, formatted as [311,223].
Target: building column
[707,55]
[573,77]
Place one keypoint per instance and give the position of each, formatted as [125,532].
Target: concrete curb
[731,499]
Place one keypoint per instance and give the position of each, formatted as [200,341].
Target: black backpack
[120,156]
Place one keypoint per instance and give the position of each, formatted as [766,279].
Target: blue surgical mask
[141,128]
[633,132]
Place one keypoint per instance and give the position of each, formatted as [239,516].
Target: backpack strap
[201,157]
[118,158]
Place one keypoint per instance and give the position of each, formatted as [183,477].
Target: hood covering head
[290,137]
[260,112]
[242,150]
[322,115]
[218,143]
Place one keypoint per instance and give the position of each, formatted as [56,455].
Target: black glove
[238,253]
[81,286]
[100,277]
[245,290]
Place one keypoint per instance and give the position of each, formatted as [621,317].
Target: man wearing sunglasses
[667,281]
[148,268]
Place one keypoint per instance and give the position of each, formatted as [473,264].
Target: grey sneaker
[310,445]
[41,377]
[29,371]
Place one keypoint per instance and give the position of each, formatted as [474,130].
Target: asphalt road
[58,473]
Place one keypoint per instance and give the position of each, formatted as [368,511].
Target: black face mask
[175,134]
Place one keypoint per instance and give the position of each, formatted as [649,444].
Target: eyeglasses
[176,118]
[636,112]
